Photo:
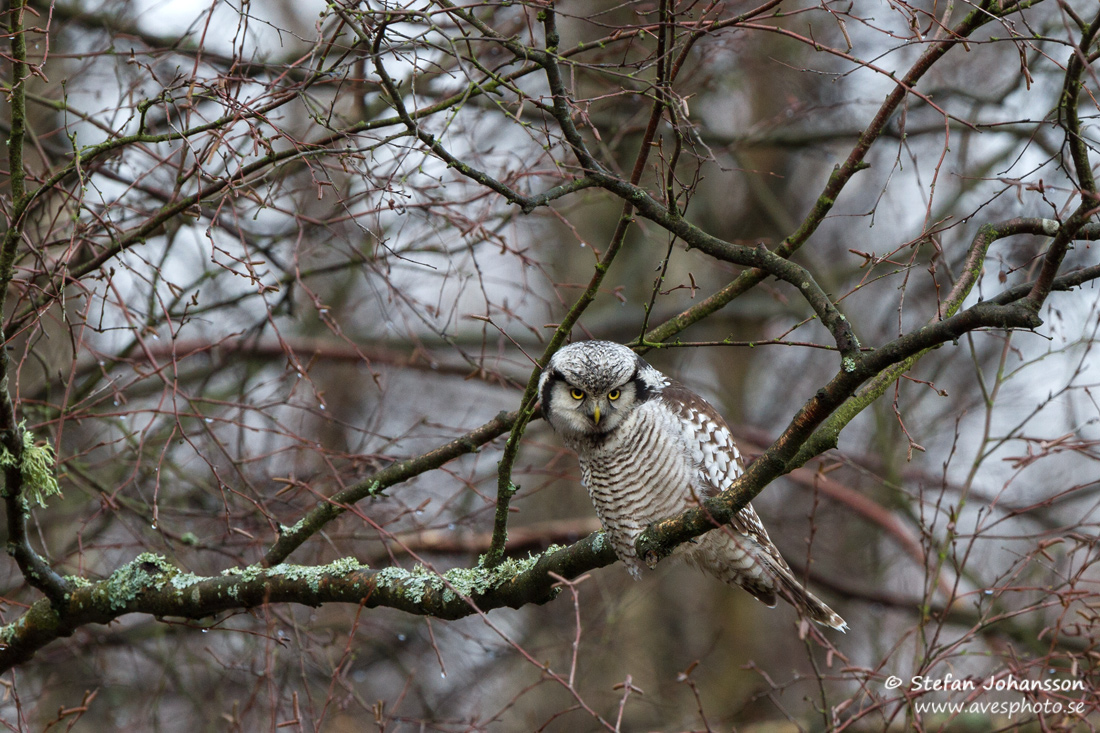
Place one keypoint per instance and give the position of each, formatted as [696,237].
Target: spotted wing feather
[740,553]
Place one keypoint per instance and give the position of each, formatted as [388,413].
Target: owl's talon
[651,559]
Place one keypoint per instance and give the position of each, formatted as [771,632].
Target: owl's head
[588,388]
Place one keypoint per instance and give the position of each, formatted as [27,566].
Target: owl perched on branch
[649,449]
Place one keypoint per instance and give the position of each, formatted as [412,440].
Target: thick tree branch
[777,460]
[149,584]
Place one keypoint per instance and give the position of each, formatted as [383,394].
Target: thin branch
[291,538]
[838,180]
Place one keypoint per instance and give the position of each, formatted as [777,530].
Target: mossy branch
[662,537]
[150,584]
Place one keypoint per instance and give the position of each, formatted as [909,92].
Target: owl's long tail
[740,561]
[815,609]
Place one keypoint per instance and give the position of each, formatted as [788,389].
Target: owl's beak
[596,414]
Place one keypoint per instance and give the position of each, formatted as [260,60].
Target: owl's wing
[742,553]
[713,450]
[708,439]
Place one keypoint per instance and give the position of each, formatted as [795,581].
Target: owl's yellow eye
[577,394]
[613,395]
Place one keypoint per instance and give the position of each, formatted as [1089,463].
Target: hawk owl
[650,448]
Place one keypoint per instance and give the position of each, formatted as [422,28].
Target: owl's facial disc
[589,388]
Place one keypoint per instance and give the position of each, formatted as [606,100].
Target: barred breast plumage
[649,448]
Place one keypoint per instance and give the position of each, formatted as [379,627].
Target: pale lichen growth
[145,572]
[476,580]
[77,581]
[36,466]
[345,565]
[9,633]
[248,573]
[848,364]
[410,583]
[183,581]
[188,581]
[293,530]
[310,575]
[457,582]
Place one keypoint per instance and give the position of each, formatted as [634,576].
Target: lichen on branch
[36,464]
